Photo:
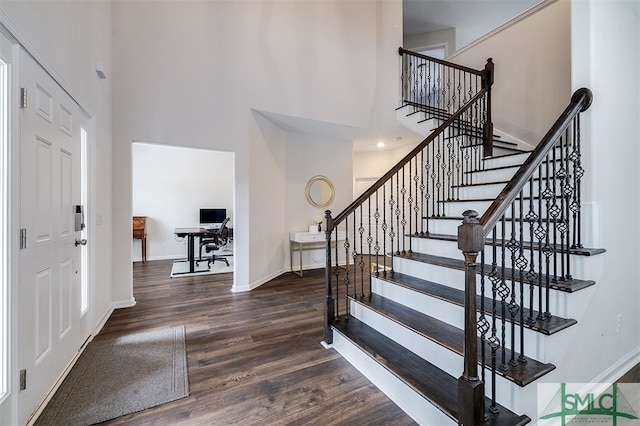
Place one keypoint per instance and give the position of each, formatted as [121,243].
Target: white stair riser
[456,209]
[493,190]
[511,160]
[414,121]
[444,226]
[480,191]
[454,314]
[400,393]
[501,151]
[488,176]
[448,361]
[450,227]
[558,300]
[450,249]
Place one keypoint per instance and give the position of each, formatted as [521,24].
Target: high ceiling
[471,18]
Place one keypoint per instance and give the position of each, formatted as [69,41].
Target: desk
[191,234]
[140,233]
[310,241]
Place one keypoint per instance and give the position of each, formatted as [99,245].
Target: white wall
[71,36]
[446,38]
[306,157]
[367,164]
[532,71]
[197,69]
[606,46]
[606,58]
[170,186]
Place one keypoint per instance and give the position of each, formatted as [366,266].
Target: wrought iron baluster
[377,233]
[458,166]
[548,250]
[369,243]
[512,245]
[362,255]
[422,194]
[494,342]
[540,233]
[392,233]
[347,281]
[561,225]
[439,185]
[578,172]
[399,203]
[567,195]
[532,276]
[483,324]
[449,183]
[503,291]
[336,271]
[434,194]
[521,263]
[354,255]
[384,229]
[428,85]
[554,212]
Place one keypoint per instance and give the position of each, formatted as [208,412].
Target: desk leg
[291,248]
[300,252]
[190,254]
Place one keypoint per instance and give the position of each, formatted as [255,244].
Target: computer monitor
[210,217]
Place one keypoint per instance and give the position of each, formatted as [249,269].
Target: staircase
[455,314]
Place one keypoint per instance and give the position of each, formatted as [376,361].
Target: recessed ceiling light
[380,144]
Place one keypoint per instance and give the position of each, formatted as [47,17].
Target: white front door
[50,261]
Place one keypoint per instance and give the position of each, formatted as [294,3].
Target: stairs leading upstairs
[435,321]
[407,335]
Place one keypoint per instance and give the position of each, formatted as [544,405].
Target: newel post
[329,313]
[487,83]
[470,387]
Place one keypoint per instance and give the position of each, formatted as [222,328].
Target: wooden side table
[140,232]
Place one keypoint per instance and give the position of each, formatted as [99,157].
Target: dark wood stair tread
[435,385]
[567,285]
[451,337]
[452,295]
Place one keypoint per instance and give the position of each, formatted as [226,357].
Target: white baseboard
[617,370]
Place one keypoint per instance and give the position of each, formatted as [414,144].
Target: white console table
[301,241]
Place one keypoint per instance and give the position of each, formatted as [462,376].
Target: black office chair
[217,240]
[216,236]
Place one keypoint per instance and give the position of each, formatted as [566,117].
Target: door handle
[82,242]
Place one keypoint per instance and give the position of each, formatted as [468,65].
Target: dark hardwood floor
[253,358]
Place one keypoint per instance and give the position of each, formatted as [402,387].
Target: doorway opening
[170,186]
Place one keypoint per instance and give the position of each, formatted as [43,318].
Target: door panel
[50,267]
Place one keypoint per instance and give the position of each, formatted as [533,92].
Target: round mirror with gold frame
[320,191]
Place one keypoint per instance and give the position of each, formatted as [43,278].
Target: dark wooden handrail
[380,182]
[580,101]
[402,51]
